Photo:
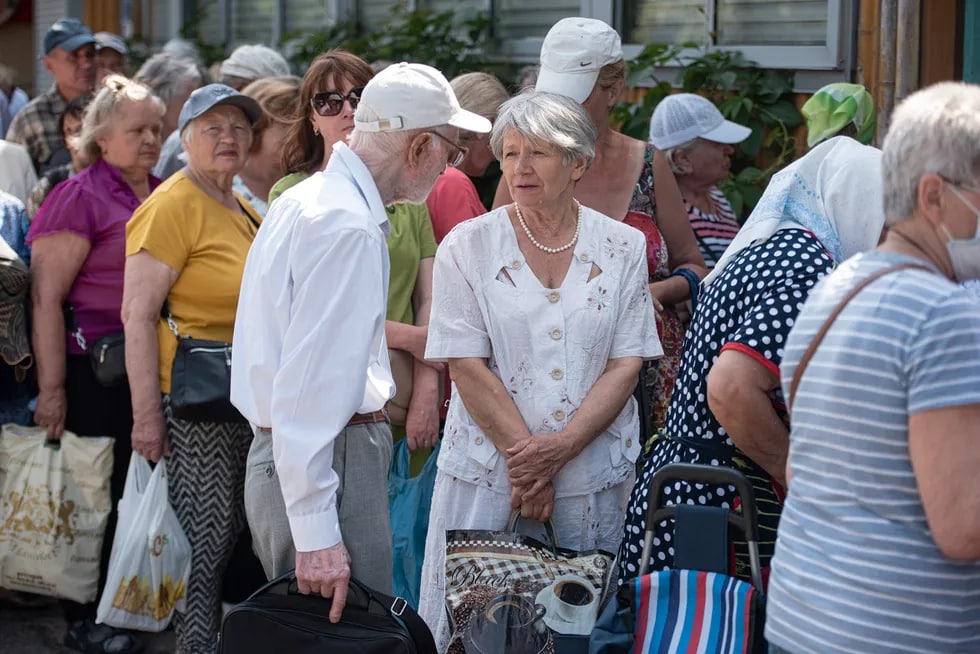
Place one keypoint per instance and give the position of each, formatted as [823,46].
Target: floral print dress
[657,376]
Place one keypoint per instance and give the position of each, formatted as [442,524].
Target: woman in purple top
[78,241]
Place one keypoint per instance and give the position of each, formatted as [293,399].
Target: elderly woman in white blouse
[542,310]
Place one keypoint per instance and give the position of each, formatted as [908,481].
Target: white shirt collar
[344,157]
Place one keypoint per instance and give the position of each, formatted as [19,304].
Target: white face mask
[964,254]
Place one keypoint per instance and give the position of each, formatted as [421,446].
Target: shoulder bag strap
[818,338]
[693,283]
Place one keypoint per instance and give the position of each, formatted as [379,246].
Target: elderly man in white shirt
[310,367]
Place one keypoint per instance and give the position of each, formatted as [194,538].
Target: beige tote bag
[54,505]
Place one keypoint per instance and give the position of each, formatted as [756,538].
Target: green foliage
[422,36]
[759,99]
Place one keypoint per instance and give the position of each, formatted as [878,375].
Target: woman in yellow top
[186,246]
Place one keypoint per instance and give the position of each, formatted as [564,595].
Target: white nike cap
[572,54]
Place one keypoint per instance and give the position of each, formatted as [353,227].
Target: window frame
[826,61]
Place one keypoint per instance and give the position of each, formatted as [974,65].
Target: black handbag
[108,358]
[200,380]
[276,618]
[107,355]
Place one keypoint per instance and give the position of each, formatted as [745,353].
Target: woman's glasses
[331,103]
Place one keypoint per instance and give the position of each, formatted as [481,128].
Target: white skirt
[582,522]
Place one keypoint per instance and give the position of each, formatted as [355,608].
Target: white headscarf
[833,191]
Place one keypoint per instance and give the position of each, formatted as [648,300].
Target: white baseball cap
[683,117]
[252,62]
[572,54]
[412,96]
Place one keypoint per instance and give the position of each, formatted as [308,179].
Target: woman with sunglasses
[329,95]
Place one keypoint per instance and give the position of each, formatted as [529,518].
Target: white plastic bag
[54,505]
[151,558]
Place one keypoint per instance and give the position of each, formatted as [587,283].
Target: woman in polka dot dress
[814,214]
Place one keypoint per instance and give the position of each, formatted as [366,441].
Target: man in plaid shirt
[69,49]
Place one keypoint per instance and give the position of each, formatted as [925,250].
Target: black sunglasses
[331,103]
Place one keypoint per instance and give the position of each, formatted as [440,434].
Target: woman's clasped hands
[532,465]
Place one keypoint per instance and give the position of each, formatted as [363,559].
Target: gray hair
[670,153]
[935,130]
[546,118]
[377,147]
[115,90]
[168,75]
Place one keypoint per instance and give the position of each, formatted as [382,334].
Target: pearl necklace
[545,248]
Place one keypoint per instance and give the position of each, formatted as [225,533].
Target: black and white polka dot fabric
[751,307]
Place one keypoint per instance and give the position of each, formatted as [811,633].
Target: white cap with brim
[412,96]
[683,117]
[573,53]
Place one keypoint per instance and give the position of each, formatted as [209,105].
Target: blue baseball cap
[68,34]
[207,97]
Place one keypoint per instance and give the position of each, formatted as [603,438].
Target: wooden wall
[102,15]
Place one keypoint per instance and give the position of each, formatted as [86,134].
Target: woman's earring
[316,129]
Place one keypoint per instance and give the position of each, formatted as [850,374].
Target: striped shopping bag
[695,612]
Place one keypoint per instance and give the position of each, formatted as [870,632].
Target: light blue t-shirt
[856,568]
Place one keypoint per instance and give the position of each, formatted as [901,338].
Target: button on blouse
[547,353]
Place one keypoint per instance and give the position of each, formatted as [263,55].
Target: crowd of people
[563,308]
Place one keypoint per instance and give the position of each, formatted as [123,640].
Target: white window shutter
[769,22]
[667,21]
[735,22]
[372,14]
[305,15]
[531,18]
[252,21]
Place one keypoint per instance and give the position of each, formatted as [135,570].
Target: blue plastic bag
[409,501]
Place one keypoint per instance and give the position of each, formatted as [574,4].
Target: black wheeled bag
[277,618]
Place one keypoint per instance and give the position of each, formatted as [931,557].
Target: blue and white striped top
[856,568]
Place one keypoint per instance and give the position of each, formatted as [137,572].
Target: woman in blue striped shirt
[879,544]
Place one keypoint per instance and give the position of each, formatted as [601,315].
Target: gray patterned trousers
[206,470]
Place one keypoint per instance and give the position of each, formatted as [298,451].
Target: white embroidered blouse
[547,346]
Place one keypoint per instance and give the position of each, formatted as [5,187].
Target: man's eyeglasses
[454,159]
[331,103]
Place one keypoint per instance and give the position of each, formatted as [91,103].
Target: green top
[411,240]
[286,183]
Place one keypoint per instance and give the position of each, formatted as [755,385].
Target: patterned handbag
[506,592]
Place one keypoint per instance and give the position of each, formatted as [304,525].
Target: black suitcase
[277,618]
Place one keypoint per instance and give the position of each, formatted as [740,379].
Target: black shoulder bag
[200,380]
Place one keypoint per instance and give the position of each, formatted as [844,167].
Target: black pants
[94,410]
